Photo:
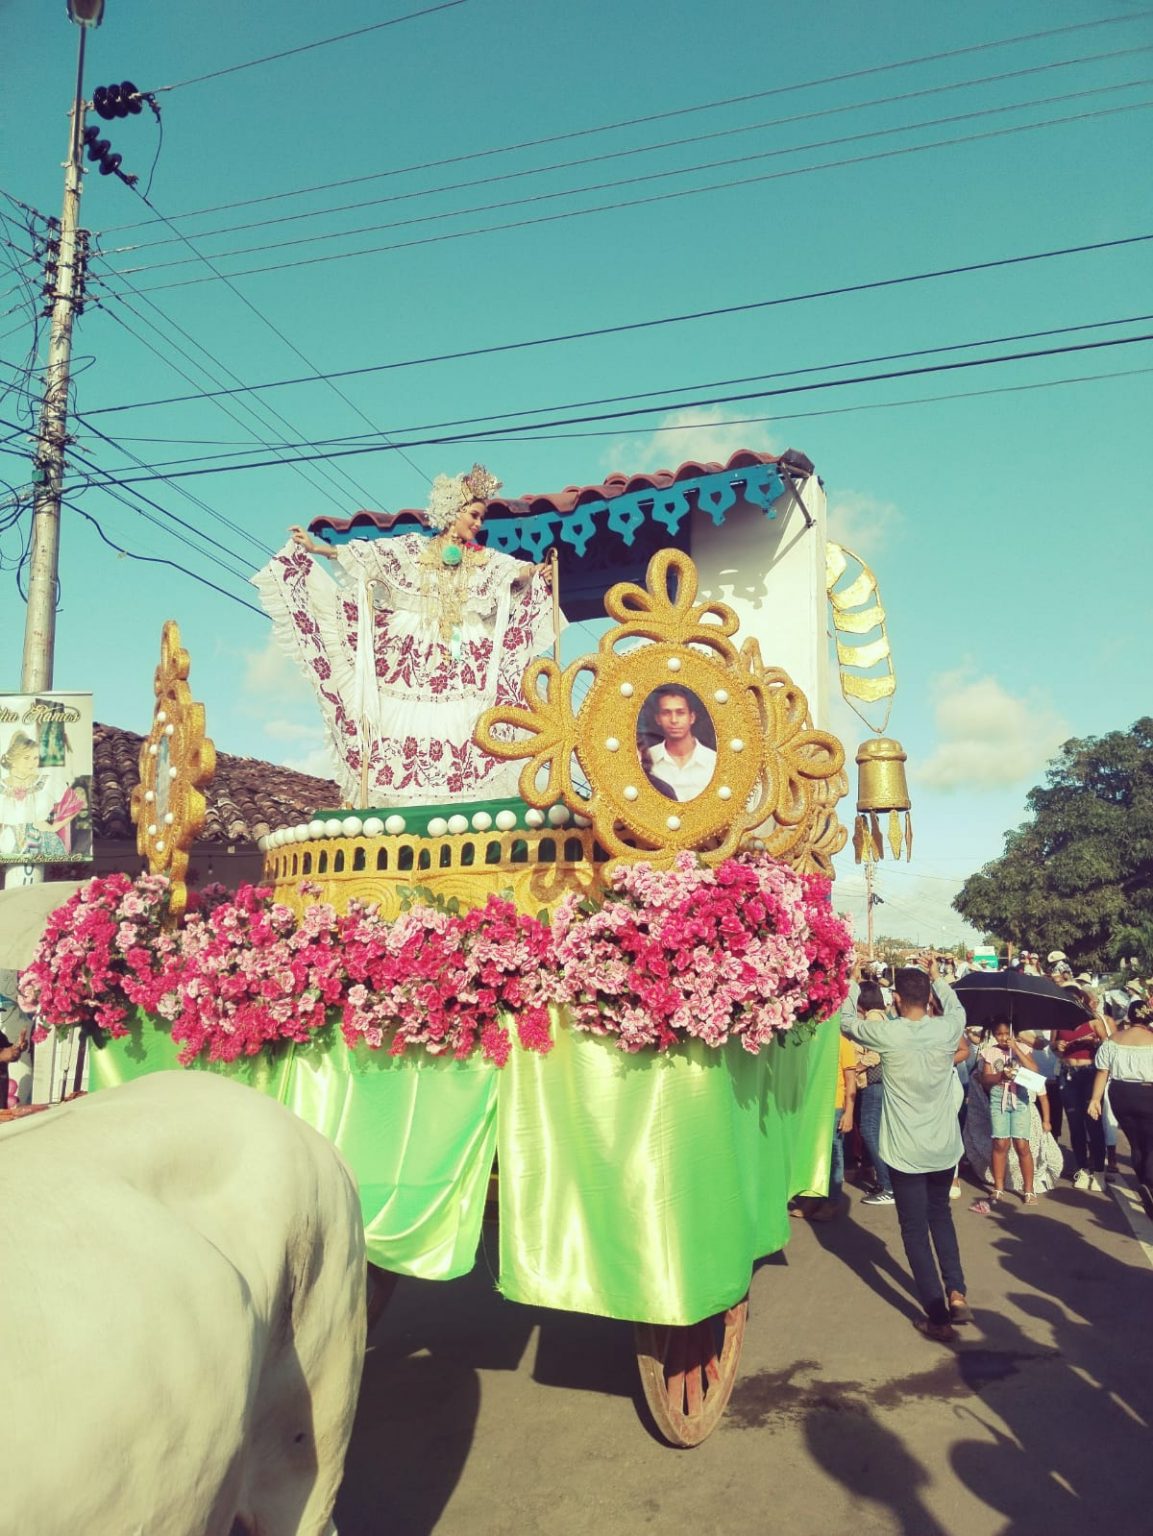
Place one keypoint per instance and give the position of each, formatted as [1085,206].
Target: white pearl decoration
[581,821]
[437,827]
[674,663]
[626,690]
[534,818]
[352,826]
[559,816]
[736,745]
[505,821]
[301,833]
[673,823]
[612,744]
[316,827]
[394,825]
[170,730]
[169,818]
[160,846]
[457,825]
[161,716]
[481,821]
[149,796]
[262,844]
[373,826]
[153,749]
[172,773]
[152,830]
[631,791]
[333,827]
[724,793]
[721,696]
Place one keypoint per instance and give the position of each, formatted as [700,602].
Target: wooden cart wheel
[688,1373]
[381,1284]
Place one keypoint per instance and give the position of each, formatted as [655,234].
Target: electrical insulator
[111,101]
[100,152]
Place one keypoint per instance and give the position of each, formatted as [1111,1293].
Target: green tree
[1078,875]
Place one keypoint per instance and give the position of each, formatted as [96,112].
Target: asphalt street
[479,1417]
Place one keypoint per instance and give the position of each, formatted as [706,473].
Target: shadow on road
[420,1394]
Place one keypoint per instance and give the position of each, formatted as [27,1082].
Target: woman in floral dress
[416,638]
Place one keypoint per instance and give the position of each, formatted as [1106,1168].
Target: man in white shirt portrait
[679,763]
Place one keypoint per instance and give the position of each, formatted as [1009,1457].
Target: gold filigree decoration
[176,761]
[769,759]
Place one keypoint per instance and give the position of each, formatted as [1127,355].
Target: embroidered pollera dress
[446,642]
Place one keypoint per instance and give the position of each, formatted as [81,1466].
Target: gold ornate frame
[773,771]
[176,761]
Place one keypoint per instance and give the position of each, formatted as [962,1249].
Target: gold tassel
[895,834]
[875,836]
[908,836]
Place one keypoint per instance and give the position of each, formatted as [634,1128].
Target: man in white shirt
[681,761]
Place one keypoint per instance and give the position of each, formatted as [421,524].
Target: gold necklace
[444,585]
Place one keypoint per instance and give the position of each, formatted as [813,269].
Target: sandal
[996,1196]
[1029,1198]
[980,1208]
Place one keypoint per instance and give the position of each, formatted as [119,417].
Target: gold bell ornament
[881,787]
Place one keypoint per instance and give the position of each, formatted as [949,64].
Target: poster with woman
[45,778]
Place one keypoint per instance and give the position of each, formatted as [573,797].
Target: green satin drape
[639,1187]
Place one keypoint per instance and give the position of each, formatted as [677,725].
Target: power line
[654,176]
[333,491]
[618,154]
[227,522]
[654,117]
[323,42]
[626,327]
[156,559]
[844,410]
[544,427]
[280,335]
[658,197]
[238,450]
[87,464]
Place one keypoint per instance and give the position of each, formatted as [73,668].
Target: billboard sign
[45,778]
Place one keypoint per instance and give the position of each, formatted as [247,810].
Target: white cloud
[320,762]
[861,522]
[270,673]
[988,738]
[694,433]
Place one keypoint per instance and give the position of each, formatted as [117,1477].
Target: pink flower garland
[743,951]
[96,951]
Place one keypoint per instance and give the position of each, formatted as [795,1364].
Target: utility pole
[67,293]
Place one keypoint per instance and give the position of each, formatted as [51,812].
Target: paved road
[479,1417]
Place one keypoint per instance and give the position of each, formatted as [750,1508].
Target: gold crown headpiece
[452,492]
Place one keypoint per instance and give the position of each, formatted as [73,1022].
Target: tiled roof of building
[570,498]
[246,798]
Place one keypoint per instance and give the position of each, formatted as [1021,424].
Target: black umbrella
[1028,1002]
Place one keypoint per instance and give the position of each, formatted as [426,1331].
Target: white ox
[182,1272]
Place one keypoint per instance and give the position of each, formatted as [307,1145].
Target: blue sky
[1009,529]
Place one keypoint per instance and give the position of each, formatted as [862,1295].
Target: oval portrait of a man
[676,742]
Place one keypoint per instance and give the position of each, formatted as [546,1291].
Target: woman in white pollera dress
[416,638]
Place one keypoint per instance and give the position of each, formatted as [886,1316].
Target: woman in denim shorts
[1010,1105]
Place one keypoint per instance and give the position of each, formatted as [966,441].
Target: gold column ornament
[881,789]
[176,761]
[771,770]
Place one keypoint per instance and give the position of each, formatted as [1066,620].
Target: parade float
[616,995]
